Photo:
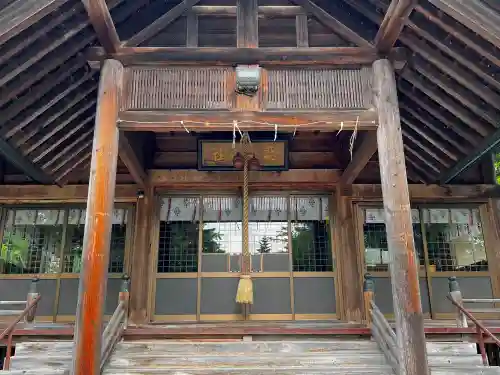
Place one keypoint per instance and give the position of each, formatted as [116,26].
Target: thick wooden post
[349,266]
[141,257]
[96,240]
[404,264]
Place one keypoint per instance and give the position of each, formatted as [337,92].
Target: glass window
[179,234]
[375,239]
[222,225]
[32,241]
[72,256]
[455,239]
[310,234]
[268,225]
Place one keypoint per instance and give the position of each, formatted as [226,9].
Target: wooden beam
[25,80]
[101,20]
[193,179]
[351,293]
[333,23]
[404,265]
[145,223]
[96,241]
[247,24]
[433,111]
[192,30]
[474,16]
[129,158]
[449,104]
[21,162]
[18,124]
[85,110]
[29,194]
[21,14]
[264,10]
[63,74]
[85,137]
[154,28]
[33,128]
[167,121]
[423,193]
[485,147]
[64,176]
[395,19]
[362,156]
[302,30]
[229,56]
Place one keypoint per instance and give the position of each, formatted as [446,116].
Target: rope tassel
[244,295]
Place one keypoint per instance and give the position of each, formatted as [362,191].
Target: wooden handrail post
[404,263]
[32,294]
[124,296]
[98,222]
[456,294]
[368,294]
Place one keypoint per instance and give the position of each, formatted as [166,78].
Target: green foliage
[497,167]
[14,251]
[264,245]
[211,241]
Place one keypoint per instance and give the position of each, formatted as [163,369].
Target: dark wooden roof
[449,91]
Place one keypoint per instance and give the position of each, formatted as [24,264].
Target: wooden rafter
[395,19]
[101,20]
[360,159]
[445,102]
[483,149]
[21,14]
[129,157]
[25,79]
[17,159]
[332,23]
[475,16]
[162,22]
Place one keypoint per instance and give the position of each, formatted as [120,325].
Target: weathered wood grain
[96,240]
[404,274]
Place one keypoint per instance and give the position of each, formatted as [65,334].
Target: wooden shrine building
[299,144]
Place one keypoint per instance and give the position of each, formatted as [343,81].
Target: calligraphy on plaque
[218,155]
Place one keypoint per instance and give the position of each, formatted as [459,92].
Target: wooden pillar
[349,265]
[404,262]
[141,257]
[98,221]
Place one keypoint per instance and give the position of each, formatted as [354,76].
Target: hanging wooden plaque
[218,155]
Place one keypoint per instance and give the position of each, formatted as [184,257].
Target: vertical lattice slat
[319,89]
[177,88]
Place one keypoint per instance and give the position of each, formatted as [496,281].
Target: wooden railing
[28,314]
[117,324]
[463,314]
[382,331]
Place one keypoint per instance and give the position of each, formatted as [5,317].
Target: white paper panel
[309,208]
[374,216]
[220,209]
[179,209]
[268,209]
[461,216]
[56,217]
[377,216]
[437,216]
